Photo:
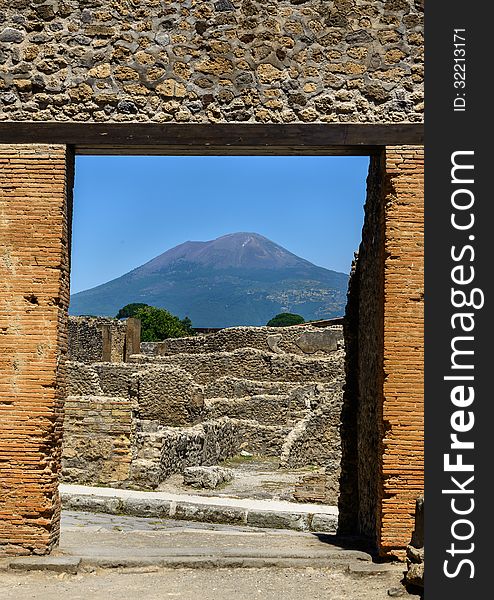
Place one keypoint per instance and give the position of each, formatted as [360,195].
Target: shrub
[285,319]
[158,324]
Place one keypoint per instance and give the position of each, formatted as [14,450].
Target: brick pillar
[382,430]
[403,393]
[35,208]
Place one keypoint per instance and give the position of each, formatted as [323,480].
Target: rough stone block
[91,503]
[268,519]
[209,514]
[324,523]
[325,340]
[58,564]
[207,477]
[149,507]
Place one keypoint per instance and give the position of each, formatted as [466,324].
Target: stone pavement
[105,556]
[213,509]
[101,540]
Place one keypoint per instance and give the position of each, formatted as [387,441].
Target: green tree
[187,324]
[285,319]
[157,324]
[129,310]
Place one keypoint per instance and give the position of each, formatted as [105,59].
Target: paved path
[101,540]
[102,557]
[216,509]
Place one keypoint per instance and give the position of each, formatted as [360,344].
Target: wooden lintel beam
[213,138]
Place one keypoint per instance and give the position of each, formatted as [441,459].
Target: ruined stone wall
[168,394]
[250,363]
[295,340]
[35,187]
[189,409]
[204,61]
[85,340]
[383,407]
[93,339]
[162,451]
[97,440]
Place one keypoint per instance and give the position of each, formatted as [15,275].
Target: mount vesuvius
[236,279]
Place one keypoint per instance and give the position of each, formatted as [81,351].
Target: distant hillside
[236,279]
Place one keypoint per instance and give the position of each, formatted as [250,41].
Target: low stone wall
[164,451]
[249,363]
[265,409]
[294,340]
[238,387]
[314,440]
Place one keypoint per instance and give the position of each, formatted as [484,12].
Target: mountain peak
[246,250]
[242,236]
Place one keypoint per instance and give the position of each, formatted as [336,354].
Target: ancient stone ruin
[199,400]
[277,77]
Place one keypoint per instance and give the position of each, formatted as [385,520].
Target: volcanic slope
[236,279]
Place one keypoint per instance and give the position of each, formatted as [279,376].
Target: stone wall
[162,451]
[137,423]
[299,339]
[169,395]
[249,363]
[35,187]
[383,410]
[93,339]
[204,61]
[97,440]
[85,339]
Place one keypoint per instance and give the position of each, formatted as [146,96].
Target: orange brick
[35,185]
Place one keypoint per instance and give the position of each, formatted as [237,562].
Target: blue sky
[127,210]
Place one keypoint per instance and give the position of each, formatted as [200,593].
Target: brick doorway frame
[36,180]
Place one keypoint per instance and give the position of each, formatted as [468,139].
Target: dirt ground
[199,584]
[259,478]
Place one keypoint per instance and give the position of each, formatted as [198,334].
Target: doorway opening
[236,271]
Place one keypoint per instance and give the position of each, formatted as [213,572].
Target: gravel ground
[199,584]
